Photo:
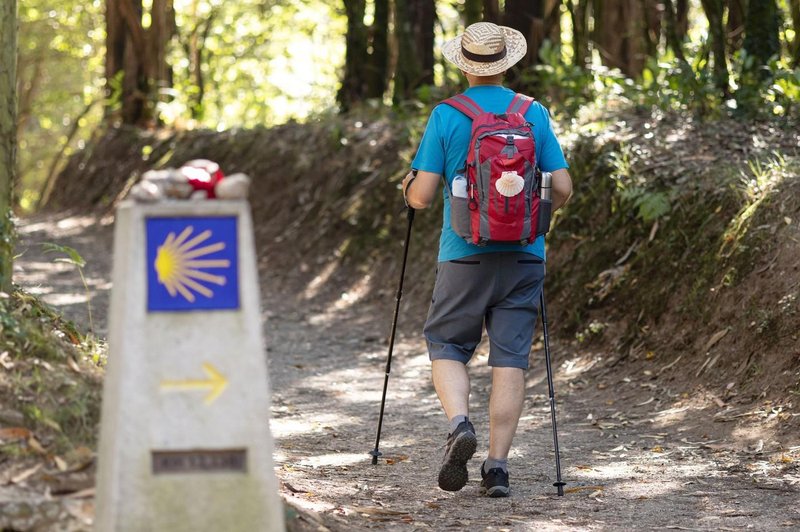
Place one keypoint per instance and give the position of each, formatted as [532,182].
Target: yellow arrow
[216,383]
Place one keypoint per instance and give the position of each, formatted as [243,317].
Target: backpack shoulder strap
[464,104]
[520,104]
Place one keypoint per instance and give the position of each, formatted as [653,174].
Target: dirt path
[635,453]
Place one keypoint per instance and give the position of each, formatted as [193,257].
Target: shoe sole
[496,491]
[453,474]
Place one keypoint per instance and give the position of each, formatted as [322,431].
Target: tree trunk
[713,10]
[651,31]
[735,25]
[162,28]
[762,27]
[620,33]
[424,18]
[194,46]
[414,31]
[552,21]
[578,12]
[527,16]
[794,8]
[136,65]
[682,18]
[8,135]
[491,11]
[379,59]
[354,83]
[408,71]
[674,41]
[472,11]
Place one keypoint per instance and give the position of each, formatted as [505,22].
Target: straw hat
[486,49]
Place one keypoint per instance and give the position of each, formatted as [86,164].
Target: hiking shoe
[495,482]
[461,445]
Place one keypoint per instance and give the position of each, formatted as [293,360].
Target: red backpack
[496,200]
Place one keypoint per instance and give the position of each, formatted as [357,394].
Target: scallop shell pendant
[510,184]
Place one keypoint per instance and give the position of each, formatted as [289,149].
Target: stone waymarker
[185,442]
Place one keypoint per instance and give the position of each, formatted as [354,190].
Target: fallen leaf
[719,335]
[391,460]
[73,365]
[15,433]
[5,360]
[61,464]
[21,477]
[657,449]
[34,444]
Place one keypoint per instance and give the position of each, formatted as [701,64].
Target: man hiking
[480,281]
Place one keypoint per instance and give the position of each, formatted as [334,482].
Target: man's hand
[420,194]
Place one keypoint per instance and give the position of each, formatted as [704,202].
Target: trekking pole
[375,452]
[559,484]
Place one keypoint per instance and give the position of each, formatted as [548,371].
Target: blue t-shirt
[443,151]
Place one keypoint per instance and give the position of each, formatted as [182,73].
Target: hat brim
[515,43]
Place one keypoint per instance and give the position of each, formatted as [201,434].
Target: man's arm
[562,188]
[421,193]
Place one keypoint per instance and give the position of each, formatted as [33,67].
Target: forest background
[221,65]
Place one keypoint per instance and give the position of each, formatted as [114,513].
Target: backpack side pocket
[459,208]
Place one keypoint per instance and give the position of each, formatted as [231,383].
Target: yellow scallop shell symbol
[181,268]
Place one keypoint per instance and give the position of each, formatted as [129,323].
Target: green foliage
[60,73]
[74,258]
[263,61]
[649,206]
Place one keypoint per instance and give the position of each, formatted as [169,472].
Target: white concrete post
[185,442]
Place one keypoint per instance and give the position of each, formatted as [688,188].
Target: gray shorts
[499,289]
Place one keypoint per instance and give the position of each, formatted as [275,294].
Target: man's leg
[505,407]
[451,381]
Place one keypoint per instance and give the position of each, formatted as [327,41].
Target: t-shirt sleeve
[550,155]
[430,155]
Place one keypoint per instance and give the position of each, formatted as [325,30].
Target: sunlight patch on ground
[283,427]
[65,227]
[347,298]
[670,416]
[360,385]
[61,300]
[334,459]
[319,281]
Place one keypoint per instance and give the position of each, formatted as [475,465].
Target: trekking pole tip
[560,487]
[375,453]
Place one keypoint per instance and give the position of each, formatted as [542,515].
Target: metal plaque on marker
[199,461]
